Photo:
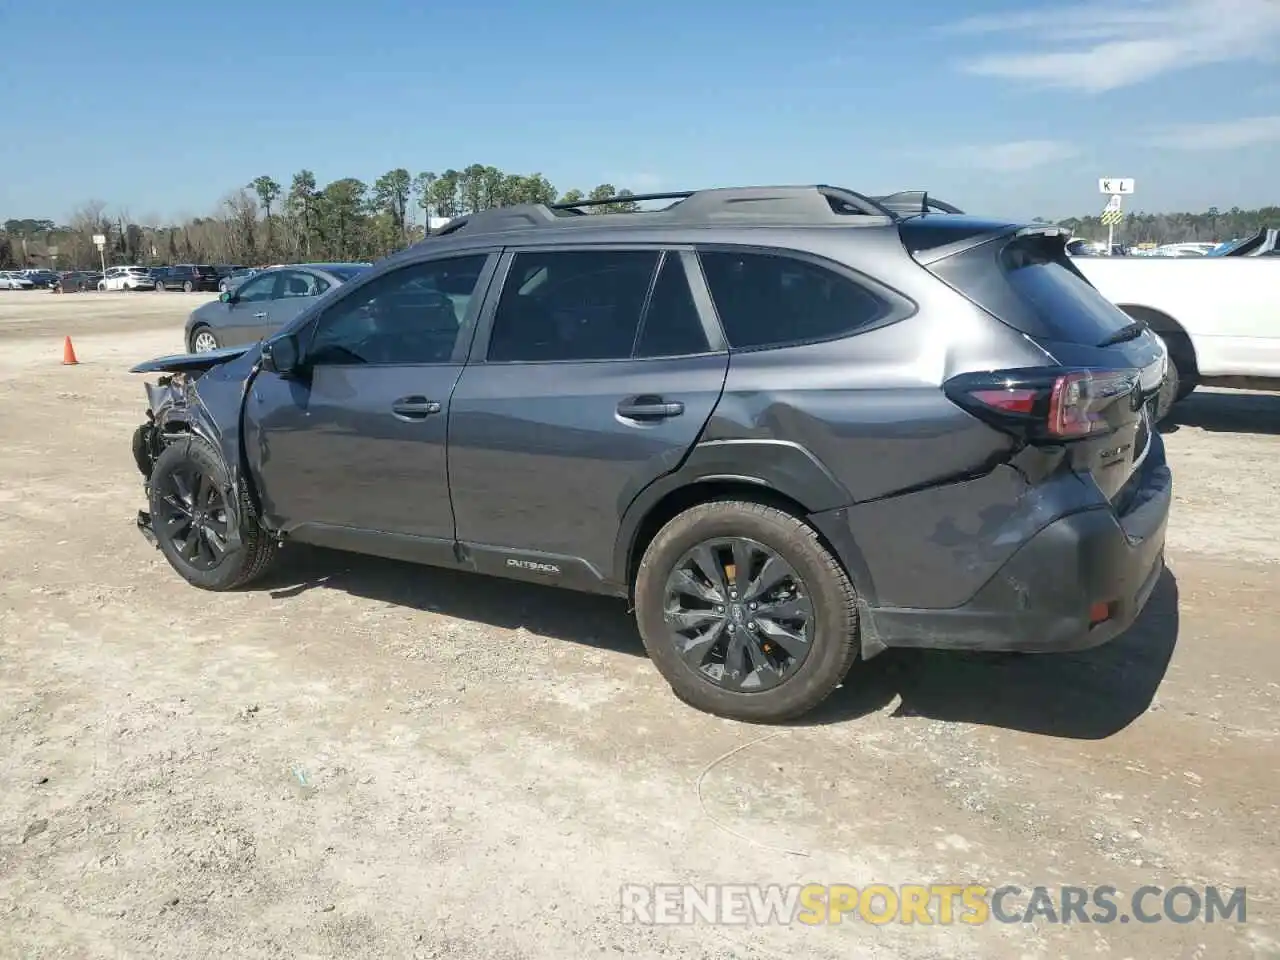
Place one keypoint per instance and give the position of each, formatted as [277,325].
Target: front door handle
[414,408]
[650,408]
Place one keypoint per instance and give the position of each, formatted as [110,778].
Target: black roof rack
[812,204]
[913,202]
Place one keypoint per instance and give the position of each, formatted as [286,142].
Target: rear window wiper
[1128,332]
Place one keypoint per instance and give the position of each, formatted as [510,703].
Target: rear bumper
[1044,596]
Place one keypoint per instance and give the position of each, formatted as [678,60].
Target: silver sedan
[263,303]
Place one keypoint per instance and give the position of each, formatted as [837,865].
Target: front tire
[203,340]
[187,287]
[745,613]
[187,494]
[159,286]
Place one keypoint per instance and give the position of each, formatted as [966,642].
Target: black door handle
[414,408]
[650,408]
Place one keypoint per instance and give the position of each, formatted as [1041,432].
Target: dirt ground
[367,759]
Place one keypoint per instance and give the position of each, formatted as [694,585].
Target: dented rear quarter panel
[914,468]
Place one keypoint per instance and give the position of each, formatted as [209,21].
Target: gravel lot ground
[366,759]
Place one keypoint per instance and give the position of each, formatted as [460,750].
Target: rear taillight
[1049,404]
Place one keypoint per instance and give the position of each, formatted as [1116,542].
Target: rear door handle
[414,408]
[650,408]
[260,316]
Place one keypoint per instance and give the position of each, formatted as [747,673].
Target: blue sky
[1013,107]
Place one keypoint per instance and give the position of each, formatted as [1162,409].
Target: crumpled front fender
[197,403]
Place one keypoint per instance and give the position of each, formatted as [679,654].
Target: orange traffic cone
[68,352]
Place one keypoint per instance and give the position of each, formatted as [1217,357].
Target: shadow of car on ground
[1226,411]
[1089,695]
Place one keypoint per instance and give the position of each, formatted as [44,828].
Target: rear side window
[572,305]
[771,299]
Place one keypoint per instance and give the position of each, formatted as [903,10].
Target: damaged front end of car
[197,395]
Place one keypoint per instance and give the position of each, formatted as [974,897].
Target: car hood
[192,362]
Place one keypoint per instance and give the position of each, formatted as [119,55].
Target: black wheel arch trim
[775,467]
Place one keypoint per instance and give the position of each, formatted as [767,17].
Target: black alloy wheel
[193,516]
[738,614]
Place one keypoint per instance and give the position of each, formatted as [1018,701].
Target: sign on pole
[100,241]
[1116,185]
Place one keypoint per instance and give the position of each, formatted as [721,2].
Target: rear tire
[190,519]
[187,287]
[819,584]
[159,286]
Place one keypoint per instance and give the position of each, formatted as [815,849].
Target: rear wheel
[187,287]
[745,613]
[160,285]
[192,522]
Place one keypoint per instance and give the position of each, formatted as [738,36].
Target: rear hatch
[1109,364]
[206,271]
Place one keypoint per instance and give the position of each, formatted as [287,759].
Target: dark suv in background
[187,277]
[790,425]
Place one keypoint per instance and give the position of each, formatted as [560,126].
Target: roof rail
[573,207]
[812,204]
[912,202]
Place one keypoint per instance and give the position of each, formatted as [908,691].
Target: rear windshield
[206,270]
[1030,284]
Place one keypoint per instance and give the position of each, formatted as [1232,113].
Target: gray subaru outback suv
[793,426]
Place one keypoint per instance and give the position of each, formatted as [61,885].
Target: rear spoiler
[996,232]
[915,203]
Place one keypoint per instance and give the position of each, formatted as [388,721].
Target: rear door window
[671,326]
[571,305]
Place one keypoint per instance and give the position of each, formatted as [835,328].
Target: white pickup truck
[1218,316]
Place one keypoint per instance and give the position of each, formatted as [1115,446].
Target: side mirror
[282,355]
[225,296]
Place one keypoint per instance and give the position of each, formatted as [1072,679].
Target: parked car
[186,277]
[76,281]
[1217,315]
[235,277]
[127,278]
[1263,243]
[41,279]
[268,300]
[12,280]
[789,425]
